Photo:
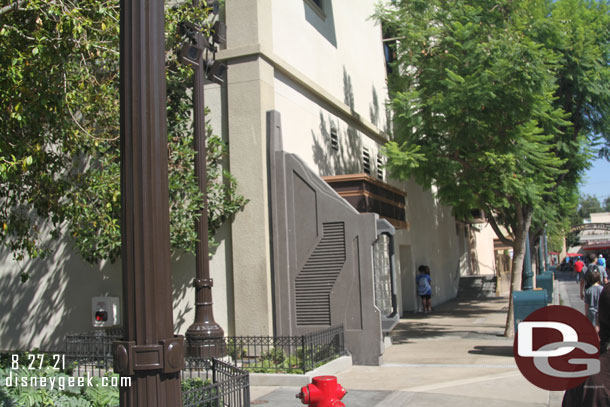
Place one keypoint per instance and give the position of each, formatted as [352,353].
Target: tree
[607,204]
[580,36]
[588,204]
[59,151]
[474,96]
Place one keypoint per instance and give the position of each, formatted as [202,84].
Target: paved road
[456,356]
[569,291]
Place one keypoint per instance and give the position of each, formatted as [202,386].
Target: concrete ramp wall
[322,256]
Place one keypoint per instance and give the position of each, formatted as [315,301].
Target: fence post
[303,358]
[214,367]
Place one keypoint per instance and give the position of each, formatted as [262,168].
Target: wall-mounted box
[105,312]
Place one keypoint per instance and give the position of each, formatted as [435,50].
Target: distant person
[424,287]
[592,298]
[586,281]
[595,390]
[601,263]
[578,266]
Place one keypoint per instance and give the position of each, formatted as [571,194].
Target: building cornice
[337,106]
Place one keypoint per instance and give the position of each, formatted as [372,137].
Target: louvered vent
[379,167]
[366,160]
[334,139]
[316,279]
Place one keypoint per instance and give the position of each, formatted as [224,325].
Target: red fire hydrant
[323,391]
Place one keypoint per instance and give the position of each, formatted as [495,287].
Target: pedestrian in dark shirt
[595,390]
[592,298]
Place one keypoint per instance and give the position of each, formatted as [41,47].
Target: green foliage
[502,99]
[236,350]
[54,391]
[59,153]
[588,205]
[101,396]
[202,392]
[473,92]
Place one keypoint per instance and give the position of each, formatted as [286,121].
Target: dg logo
[556,348]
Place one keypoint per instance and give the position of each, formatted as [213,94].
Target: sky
[597,180]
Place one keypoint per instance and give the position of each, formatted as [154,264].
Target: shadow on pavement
[463,318]
[492,350]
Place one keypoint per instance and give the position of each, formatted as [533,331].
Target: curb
[298,380]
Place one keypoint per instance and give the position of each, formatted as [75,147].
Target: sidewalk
[456,356]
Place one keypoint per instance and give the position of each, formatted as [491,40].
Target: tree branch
[11,7]
[496,229]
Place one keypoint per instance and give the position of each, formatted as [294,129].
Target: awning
[597,246]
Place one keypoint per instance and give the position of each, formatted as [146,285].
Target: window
[389,49]
[318,7]
[382,275]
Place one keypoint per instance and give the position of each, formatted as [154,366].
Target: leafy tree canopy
[588,204]
[495,103]
[59,150]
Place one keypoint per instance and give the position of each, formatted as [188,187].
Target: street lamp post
[540,254]
[149,352]
[546,252]
[204,336]
[528,276]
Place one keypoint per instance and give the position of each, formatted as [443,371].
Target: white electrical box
[105,311]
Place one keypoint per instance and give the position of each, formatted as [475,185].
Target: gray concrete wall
[56,300]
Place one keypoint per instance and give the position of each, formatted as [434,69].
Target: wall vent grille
[334,139]
[315,281]
[366,160]
[380,167]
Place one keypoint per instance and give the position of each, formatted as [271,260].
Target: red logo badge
[556,348]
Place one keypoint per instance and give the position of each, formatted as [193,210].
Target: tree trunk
[524,219]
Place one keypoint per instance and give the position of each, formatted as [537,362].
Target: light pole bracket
[167,356]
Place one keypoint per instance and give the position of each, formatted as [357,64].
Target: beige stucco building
[320,64]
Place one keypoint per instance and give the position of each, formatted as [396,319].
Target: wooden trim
[372,196]
[365,178]
[399,224]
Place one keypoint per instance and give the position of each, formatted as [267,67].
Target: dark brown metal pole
[204,336]
[150,353]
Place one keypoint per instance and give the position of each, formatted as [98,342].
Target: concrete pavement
[455,356]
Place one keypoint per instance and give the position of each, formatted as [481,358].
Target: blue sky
[597,180]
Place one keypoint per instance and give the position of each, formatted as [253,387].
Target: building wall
[319,74]
[342,53]
[484,238]
[56,300]
[432,239]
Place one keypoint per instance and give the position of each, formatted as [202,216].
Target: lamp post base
[205,341]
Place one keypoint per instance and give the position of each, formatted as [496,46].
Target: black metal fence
[91,352]
[227,386]
[278,354]
[210,382]
[205,382]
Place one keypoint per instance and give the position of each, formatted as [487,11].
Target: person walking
[578,266]
[595,390]
[424,287]
[601,263]
[586,281]
[592,298]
